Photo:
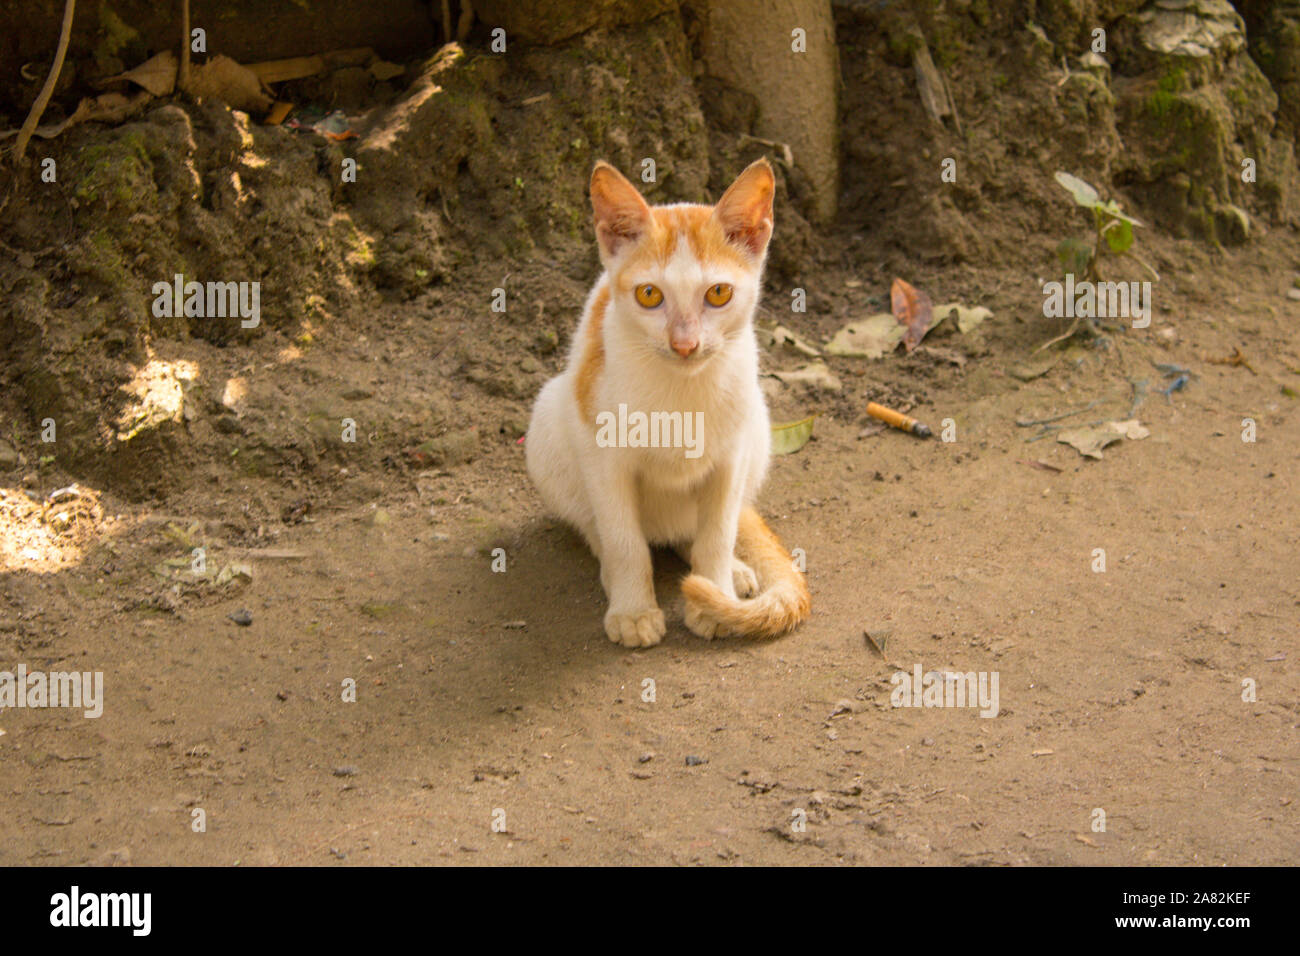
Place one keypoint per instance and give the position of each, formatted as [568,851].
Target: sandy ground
[487,698]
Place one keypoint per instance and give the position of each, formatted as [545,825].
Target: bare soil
[489,696]
[1119,690]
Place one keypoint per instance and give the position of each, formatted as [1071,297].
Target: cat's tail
[781,604]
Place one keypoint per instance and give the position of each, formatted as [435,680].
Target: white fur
[625,499]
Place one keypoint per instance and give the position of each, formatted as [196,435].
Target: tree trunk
[751,45]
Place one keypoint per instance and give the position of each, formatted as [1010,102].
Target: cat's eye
[649,295]
[718,295]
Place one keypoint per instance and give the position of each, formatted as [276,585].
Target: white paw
[743,579]
[640,629]
[700,624]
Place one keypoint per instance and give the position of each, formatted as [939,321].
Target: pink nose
[685,347]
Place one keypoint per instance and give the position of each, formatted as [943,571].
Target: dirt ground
[492,721]
[1119,690]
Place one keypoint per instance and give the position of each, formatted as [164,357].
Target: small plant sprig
[1114,232]
[1114,237]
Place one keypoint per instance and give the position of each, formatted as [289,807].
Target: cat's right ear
[622,215]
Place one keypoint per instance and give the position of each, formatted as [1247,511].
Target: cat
[668,333]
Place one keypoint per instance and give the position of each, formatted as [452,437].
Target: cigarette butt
[898,420]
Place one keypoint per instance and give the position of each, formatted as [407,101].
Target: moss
[119,172]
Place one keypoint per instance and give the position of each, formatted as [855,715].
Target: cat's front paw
[638,629]
[743,579]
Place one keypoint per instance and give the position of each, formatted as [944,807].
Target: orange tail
[783,600]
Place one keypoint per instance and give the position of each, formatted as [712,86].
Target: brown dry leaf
[156,74]
[1089,440]
[106,108]
[235,85]
[913,310]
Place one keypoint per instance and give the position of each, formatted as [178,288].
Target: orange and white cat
[668,334]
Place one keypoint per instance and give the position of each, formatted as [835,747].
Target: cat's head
[684,279]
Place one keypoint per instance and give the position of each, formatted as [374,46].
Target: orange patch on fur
[592,362]
[671,224]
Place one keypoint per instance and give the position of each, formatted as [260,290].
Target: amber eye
[648,295]
[718,295]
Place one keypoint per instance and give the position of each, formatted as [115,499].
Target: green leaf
[789,438]
[1075,254]
[1083,194]
[1119,235]
[1112,209]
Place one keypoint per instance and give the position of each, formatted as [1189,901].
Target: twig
[1074,327]
[183,80]
[466,20]
[43,98]
[1049,430]
[1056,418]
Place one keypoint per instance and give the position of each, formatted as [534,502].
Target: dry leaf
[1089,440]
[106,108]
[156,74]
[913,311]
[871,337]
[789,438]
[235,85]
[815,374]
[783,336]
[967,318]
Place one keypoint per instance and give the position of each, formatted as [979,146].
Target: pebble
[694,761]
[243,617]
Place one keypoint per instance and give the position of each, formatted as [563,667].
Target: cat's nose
[685,347]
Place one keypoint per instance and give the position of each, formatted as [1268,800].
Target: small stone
[1293,294]
[694,761]
[348,770]
[646,757]
[243,617]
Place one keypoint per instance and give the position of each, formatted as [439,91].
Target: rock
[243,617]
[345,771]
[1232,224]
[1196,28]
[694,761]
[1095,64]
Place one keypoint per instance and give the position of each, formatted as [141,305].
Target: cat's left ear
[745,209]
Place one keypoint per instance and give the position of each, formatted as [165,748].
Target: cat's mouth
[690,364]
